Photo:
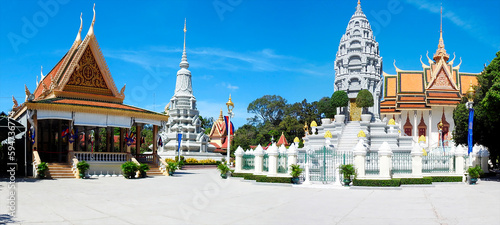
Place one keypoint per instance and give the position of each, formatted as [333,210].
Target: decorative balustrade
[371,163]
[248,161]
[265,163]
[438,163]
[401,163]
[282,163]
[101,156]
[145,158]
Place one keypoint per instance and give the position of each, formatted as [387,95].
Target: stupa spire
[441,52]
[184,63]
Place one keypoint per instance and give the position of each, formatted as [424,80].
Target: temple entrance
[354,111]
[52,146]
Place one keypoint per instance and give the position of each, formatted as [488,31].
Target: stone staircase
[349,136]
[59,170]
[154,170]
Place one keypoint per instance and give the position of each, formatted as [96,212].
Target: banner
[232,127]
[179,139]
[160,142]
[469,137]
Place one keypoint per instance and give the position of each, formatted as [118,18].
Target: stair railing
[36,162]
[74,168]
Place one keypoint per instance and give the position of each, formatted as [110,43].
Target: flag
[160,142]
[469,136]
[32,135]
[65,132]
[179,139]
[226,118]
[142,140]
[72,136]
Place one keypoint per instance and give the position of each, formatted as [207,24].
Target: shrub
[143,168]
[296,170]
[167,160]
[42,168]
[364,99]
[223,168]
[262,178]
[475,172]
[447,179]
[347,170]
[339,99]
[425,180]
[180,163]
[191,160]
[172,166]
[129,169]
[378,183]
[82,167]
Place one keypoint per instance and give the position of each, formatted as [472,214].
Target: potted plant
[347,171]
[180,163]
[42,168]
[364,99]
[129,170]
[474,173]
[223,169]
[82,168]
[339,99]
[143,168]
[296,171]
[172,166]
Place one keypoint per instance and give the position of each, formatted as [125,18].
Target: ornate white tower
[358,64]
[184,116]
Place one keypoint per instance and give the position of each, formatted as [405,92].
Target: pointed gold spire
[441,52]
[184,63]
[78,39]
[91,29]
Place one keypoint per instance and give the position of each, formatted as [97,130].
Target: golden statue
[306,129]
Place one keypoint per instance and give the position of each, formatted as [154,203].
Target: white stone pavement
[201,197]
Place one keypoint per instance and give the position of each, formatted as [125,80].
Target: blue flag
[469,138]
[179,139]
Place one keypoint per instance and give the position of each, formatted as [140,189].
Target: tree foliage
[268,108]
[326,108]
[364,99]
[486,106]
[207,123]
[340,99]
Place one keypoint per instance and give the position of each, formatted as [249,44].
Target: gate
[324,162]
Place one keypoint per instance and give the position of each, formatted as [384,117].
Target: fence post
[239,159]
[272,151]
[259,157]
[385,153]
[416,160]
[459,160]
[359,158]
[292,156]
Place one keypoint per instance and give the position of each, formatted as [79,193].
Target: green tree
[267,108]
[245,136]
[340,99]
[207,123]
[486,107]
[364,100]
[326,108]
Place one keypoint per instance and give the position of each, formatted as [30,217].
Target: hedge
[447,179]
[263,178]
[378,183]
[425,180]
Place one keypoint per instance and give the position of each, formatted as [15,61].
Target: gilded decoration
[87,73]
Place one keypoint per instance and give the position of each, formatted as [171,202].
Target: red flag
[65,132]
[226,118]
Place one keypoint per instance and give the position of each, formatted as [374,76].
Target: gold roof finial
[78,39]
[359,2]
[441,52]
[91,29]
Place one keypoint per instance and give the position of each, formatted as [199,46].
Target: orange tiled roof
[48,79]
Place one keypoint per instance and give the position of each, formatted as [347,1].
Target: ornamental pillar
[138,129]
[460,160]
[416,161]
[292,156]
[272,151]
[359,158]
[258,160]
[239,159]
[385,165]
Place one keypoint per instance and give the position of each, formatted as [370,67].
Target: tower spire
[441,52]
[184,63]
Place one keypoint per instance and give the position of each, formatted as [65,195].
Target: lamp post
[230,107]
[470,97]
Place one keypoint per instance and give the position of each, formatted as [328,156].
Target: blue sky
[247,48]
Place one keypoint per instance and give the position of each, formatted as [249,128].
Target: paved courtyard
[201,197]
